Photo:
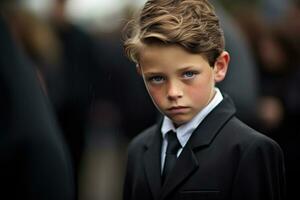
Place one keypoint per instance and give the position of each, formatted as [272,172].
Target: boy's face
[180,83]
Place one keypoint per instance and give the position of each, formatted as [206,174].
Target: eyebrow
[190,67]
[152,73]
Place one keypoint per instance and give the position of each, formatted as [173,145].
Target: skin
[180,83]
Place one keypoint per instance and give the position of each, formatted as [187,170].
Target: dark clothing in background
[124,87]
[224,159]
[241,70]
[34,161]
[71,88]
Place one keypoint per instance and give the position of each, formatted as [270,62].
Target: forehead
[166,55]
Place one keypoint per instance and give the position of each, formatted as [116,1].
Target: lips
[178,110]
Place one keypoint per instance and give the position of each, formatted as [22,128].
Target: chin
[179,122]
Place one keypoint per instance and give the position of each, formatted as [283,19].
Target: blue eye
[189,74]
[156,79]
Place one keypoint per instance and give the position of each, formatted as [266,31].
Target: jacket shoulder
[143,138]
[249,136]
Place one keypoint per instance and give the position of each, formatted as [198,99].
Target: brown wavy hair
[192,24]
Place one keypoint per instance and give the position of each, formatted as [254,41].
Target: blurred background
[100,102]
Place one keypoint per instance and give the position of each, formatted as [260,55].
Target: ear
[221,66]
[138,69]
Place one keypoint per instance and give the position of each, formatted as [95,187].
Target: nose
[174,91]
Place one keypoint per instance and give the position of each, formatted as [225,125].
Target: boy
[199,150]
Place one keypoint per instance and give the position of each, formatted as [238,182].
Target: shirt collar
[184,131]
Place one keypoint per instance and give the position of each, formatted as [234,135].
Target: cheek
[156,95]
[196,93]
[200,92]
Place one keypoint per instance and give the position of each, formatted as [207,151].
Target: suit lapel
[212,124]
[187,162]
[185,165]
[152,163]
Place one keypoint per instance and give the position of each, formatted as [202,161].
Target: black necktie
[171,154]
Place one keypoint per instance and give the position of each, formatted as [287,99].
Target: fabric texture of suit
[224,159]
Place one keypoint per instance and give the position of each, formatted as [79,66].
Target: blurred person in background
[242,68]
[277,56]
[34,159]
[80,74]
[71,86]
[62,58]
[96,119]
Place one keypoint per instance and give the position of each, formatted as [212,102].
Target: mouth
[178,109]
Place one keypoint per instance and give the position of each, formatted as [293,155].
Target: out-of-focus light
[40,7]
[105,15]
[102,14]
[137,4]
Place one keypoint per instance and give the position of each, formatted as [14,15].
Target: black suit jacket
[223,159]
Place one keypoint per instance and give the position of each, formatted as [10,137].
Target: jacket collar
[214,121]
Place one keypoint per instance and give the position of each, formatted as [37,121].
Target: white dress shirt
[185,131]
